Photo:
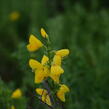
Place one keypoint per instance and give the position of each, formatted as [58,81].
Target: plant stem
[45,83]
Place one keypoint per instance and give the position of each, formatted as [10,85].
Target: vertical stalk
[45,83]
[48,49]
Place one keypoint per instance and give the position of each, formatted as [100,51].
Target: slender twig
[45,83]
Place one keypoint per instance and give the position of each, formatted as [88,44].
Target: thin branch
[45,83]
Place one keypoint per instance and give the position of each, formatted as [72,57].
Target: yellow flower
[44,96]
[12,107]
[41,69]
[43,33]
[14,16]
[62,91]
[62,52]
[16,94]
[56,71]
[57,60]
[34,44]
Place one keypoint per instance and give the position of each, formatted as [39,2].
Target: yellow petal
[55,77]
[61,95]
[34,44]
[32,47]
[41,91]
[12,107]
[62,91]
[34,64]
[57,60]
[64,88]
[56,69]
[45,59]
[46,71]
[33,40]
[39,76]
[43,33]
[16,94]
[62,52]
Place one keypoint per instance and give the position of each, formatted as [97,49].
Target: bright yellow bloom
[43,33]
[57,60]
[14,16]
[34,44]
[41,69]
[62,52]
[12,107]
[56,71]
[17,94]
[44,96]
[62,91]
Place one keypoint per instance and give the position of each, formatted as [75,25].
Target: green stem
[49,93]
[46,84]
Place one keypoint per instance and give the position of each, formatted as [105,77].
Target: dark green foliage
[81,26]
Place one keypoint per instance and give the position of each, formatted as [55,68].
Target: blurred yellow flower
[62,91]
[44,96]
[17,94]
[56,71]
[34,44]
[43,33]
[41,69]
[14,16]
[62,52]
[12,107]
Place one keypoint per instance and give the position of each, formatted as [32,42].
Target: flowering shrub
[48,71]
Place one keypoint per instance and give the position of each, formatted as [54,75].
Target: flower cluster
[49,67]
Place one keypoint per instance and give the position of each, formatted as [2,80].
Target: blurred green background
[80,25]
